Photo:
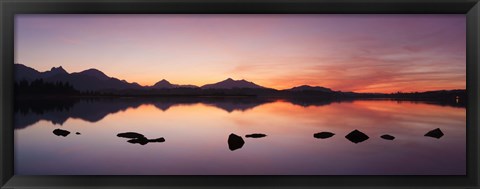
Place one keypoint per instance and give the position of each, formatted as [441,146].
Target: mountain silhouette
[232,84]
[93,82]
[94,73]
[55,71]
[310,88]
[88,80]
[164,84]
[23,72]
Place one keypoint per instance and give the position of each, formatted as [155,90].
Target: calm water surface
[196,134]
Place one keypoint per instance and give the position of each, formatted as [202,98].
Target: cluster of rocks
[236,142]
[357,136]
[137,138]
[63,133]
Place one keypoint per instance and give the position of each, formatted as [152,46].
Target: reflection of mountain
[228,104]
[58,110]
[306,102]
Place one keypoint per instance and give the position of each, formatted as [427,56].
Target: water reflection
[58,110]
[206,138]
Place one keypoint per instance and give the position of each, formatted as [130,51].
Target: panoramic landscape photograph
[228,94]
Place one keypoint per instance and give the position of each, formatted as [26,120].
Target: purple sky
[363,53]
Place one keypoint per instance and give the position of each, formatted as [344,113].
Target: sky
[360,53]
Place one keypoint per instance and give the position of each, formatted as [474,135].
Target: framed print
[239,94]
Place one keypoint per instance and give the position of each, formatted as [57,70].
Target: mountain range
[96,80]
[88,80]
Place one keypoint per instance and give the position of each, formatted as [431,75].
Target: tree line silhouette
[40,87]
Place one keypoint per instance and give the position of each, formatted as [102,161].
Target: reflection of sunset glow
[361,53]
[196,141]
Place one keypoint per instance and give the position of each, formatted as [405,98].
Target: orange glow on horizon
[386,88]
[357,53]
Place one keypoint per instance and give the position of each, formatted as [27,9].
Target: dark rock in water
[157,140]
[387,137]
[130,135]
[436,133]
[356,136]
[144,140]
[141,141]
[235,142]
[323,135]
[256,135]
[60,132]
[77,133]
[137,138]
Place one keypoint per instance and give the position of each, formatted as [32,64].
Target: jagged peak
[58,69]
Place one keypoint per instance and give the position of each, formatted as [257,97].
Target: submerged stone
[157,140]
[323,135]
[137,138]
[77,133]
[436,133]
[235,142]
[256,135]
[60,132]
[387,137]
[130,135]
[356,136]
[141,141]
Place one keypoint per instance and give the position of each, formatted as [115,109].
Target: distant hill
[93,73]
[164,84]
[23,72]
[232,84]
[310,88]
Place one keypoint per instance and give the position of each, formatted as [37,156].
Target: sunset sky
[361,53]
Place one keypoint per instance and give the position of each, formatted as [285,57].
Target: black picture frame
[9,8]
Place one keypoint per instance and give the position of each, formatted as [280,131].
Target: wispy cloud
[363,53]
[70,41]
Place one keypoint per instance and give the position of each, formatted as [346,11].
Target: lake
[196,131]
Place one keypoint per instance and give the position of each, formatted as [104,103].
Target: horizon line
[242,79]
